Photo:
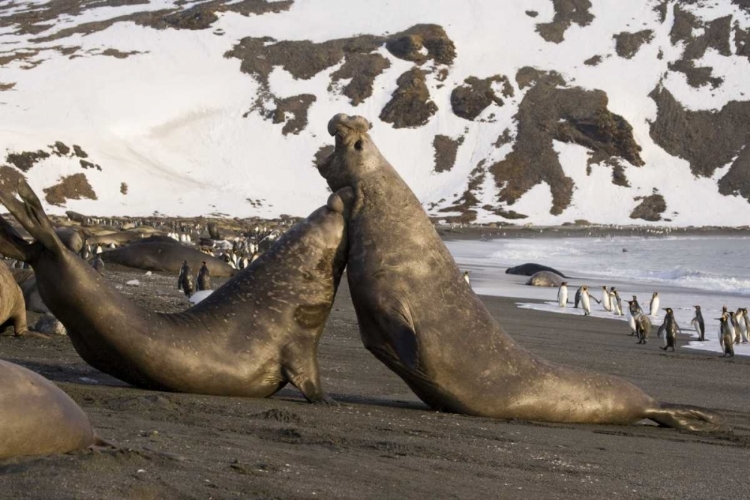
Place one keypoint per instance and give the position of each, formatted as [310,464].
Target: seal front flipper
[12,244]
[302,371]
[689,418]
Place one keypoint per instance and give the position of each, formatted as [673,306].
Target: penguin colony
[734,327]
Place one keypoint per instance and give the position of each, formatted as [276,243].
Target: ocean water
[710,271]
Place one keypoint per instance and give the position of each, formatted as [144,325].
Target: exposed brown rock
[446,149]
[475,95]
[119,54]
[567,12]
[24,161]
[72,187]
[298,106]
[466,204]
[549,113]
[528,76]
[80,153]
[362,69]
[123,188]
[716,35]
[60,149]
[628,44]
[661,9]
[87,164]
[650,208]
[408,45]
[503,139]
[696,76]
[532,13]
[742,42]
[706,139]
[322,155]
[410,104]
[6,86]
[593,61]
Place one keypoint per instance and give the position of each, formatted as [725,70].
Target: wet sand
[381,441]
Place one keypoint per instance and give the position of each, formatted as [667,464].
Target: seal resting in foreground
[249,338]
[12,305]
[164,256]
[418,315]
[545,278]
[531,269]
[37,418]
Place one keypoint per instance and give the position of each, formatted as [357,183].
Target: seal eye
[358,145]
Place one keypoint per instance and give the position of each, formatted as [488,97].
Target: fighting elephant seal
[249,338]
[165,256]
[531,270]
[418,316]
[545,278]
[12,305]
[37,418]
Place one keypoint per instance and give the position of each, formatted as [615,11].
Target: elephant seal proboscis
[545,278]
[531,269]
[418,316]
[12,305]
[37,418]
[249,338]
[163,256]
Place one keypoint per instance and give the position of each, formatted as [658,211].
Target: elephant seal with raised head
[419,316]
[249,338]
[37,418]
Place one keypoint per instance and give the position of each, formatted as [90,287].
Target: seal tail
[29,213]
[689,418]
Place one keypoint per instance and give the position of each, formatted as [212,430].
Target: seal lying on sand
[249,338]
[545,278]
[37,418]
[419,317]
[12,305]
[165,256]
[531,269]
[26,281]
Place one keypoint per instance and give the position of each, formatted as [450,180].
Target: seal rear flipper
[308,383]
[30,214]
[689,418]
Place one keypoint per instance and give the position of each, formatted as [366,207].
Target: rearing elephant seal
[249,338]
[418,316]
[37,418]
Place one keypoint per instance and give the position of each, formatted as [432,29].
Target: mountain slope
[543,111]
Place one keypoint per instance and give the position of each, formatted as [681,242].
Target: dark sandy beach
[381,441]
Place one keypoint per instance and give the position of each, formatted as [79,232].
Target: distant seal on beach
[37,418]
[419,317]
[531,269]
[249,338]
[545,278]
[163,256]
[12,305]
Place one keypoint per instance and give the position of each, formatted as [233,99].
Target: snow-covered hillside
[542,111]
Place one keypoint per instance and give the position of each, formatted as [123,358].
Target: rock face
[650,208]
[446,149]
[567,12]
[410,105]
[628,44]
[71,187]
[550,112]
[474,96]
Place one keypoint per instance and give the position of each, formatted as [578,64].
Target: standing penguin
[631,322]
[585,302]
[562,294]
[670,330]
[642,322]
[616,301]
[746,319]
[726,336]
[204,278]
[730,325]
[185,279]
[739,321]
[98,264]
[699,325]
[606,302]
[466,278]
[578,297]
[655,304]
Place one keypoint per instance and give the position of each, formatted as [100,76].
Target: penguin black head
[697,308]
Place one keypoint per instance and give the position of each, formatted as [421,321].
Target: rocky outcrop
[446,149]
[550,113]
[71,187]
[627,44]
[475,95]
[567,12]
[650,208]
[410,104]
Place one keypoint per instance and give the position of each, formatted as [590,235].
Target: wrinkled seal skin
[163,256]
[37,418]
[12,305]
[545,278]
[531,269]
[249,338]
[418,316]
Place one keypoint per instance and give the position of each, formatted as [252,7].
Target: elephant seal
[545,278]
[164,256]
[37,418]
[12,305]
[249,338]
[26,281]
[531,269]
[420,318]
